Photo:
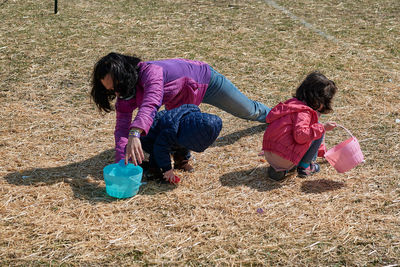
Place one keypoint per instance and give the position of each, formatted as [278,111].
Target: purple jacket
[170,82]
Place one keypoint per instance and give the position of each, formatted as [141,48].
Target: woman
[149,85]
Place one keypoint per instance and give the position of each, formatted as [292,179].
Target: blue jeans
[223,94]
[312,152]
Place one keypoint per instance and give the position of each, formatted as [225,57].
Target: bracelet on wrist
[134,133]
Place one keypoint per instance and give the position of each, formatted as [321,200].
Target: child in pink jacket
[294,134]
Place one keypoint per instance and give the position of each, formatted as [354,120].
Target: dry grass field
[54,210]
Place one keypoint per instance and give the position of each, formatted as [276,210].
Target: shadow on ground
[320,186]
[255,178]
[84,177]
[233,137]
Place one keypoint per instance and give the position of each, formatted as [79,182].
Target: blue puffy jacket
[185,127]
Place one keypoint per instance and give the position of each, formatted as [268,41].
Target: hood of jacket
[197,131]
[292,105]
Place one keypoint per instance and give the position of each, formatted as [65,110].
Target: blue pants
[312,152]
[223,94]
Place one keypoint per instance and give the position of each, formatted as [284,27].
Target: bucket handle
[344,128]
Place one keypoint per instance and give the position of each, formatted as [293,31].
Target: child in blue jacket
[176,132]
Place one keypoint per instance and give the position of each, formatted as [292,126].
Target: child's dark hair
[317,90]
[124,73]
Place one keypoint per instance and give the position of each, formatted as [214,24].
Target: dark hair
[124,73]
[315,90]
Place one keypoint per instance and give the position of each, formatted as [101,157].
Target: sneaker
[183,165]
[304,172]
[274,175]
[180,163]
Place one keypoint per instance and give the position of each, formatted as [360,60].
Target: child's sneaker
[274,175]
[183,165]
[304,172]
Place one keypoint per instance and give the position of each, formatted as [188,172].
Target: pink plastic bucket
[346,155]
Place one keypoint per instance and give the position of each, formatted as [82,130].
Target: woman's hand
[330,125]
[134,151]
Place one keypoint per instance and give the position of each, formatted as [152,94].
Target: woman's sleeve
[304,131]
[124,111]
[121,133]
[153,90]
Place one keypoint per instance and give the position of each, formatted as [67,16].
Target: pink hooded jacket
[292,127]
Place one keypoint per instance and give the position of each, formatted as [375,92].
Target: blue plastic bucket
[122,181]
